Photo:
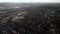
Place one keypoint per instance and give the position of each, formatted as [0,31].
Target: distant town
[29,18]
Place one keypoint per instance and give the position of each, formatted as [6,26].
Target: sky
[26,1]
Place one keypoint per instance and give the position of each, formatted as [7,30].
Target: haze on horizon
[27,1]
